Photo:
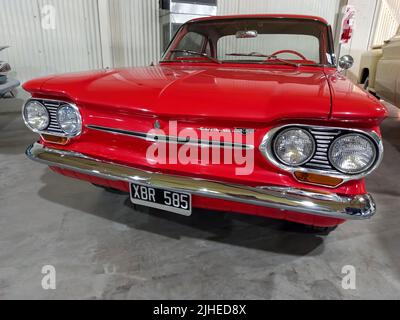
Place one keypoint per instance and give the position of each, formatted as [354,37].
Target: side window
[192,41]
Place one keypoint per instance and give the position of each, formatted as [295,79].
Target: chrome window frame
[50,133]
[266,149]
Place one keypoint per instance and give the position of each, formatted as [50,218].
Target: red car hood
[218,92]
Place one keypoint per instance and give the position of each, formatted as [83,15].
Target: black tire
[109,189]
[366,84]
[324,231]
[307,229]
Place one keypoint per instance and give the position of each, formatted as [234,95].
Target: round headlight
[69,120]
[36,115]
[352,153]
[294,147]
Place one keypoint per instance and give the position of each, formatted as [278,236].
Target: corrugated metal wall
[323,8]
[388,21]
[76,42]
[135,32]
[73,45]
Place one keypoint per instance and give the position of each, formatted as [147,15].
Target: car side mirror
[346,62]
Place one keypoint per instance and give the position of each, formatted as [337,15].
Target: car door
[388,71]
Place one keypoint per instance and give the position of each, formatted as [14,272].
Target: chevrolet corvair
[247,114]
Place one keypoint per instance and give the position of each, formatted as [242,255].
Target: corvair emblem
[157,124]
[243,131]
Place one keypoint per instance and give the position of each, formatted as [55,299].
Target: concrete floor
[103,249]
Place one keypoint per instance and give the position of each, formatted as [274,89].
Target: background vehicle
[380,70]
[7,85]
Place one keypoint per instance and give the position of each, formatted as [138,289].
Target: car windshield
[253,40]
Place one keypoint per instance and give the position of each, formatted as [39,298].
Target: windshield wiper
[197,54]
[260,55]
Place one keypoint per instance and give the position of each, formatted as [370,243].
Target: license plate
[173,201]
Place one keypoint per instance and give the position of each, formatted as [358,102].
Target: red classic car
[245,114]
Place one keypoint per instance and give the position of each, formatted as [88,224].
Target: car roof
[275,16]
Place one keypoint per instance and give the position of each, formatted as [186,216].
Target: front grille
[52,108]
[319,162]
[323,138]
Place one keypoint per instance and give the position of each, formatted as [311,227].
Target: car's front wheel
[308,229]
[109,189]
[324,231]
[366,83]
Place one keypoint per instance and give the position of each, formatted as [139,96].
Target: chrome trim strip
[58,132]
[324,204]
[266,150]
[170,139]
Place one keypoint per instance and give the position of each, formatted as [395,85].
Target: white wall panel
[388,21]
[78,43]
[365,13]
[20,29]
[323,8]
[135,32]
[73,45]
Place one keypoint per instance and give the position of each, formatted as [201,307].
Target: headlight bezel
[52,103]
[25,118]
[78,115]
[280,133]
[266,149]
[348,172]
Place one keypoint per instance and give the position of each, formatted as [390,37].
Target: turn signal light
[318,179]
[55,139]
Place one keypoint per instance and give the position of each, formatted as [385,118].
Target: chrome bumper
[299,200]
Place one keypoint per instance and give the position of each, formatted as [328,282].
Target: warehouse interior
[105,247]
